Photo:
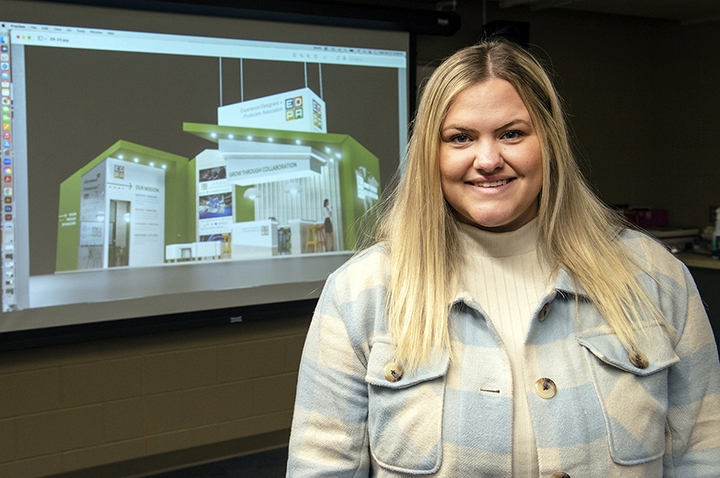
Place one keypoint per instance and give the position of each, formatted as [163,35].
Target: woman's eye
[513,135]
[460,138]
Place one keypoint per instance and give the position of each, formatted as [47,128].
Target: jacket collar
[564,285]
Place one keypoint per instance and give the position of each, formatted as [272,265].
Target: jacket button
[560,474]
[544,312]
[639,359]
[393,372]
[545,388]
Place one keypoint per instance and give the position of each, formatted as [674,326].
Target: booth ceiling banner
[246,169]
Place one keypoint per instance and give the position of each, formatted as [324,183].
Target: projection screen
[160,163]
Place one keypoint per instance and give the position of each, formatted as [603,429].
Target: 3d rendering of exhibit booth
[284,167]
[260,194]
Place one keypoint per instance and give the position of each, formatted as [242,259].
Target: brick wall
[71,407]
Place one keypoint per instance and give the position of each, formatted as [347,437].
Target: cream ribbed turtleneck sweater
[502,272]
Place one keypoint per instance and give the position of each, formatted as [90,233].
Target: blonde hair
[576,231]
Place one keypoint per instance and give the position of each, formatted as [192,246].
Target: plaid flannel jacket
[608,417]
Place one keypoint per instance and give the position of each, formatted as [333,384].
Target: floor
[267,464]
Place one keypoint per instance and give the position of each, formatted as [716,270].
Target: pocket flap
[381,354]
[654,343]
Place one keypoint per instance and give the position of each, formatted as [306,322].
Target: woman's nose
[488,156]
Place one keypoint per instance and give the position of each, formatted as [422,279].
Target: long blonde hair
[576,231]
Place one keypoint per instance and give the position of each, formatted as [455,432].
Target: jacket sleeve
[693,423]
[329,429]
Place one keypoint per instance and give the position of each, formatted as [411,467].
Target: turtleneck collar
[476,241]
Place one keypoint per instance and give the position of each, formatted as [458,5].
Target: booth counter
[254,239]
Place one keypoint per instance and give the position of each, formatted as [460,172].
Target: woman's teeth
[493,184]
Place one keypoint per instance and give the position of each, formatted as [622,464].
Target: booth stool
[226,247]
[321,237]
[315,237]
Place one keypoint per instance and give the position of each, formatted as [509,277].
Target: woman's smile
[493,184]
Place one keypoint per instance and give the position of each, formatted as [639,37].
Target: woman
[328,226]
[506,324]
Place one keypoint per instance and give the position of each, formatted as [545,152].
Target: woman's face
[490,158]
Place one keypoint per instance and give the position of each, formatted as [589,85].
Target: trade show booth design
[268,188]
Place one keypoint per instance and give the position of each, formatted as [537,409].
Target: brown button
[544,312]
[393,372]
[639,359]
[545,388]
[560,474]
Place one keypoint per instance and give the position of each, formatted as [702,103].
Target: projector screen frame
[372,17]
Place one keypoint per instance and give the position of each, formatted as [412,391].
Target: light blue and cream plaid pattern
[607,418]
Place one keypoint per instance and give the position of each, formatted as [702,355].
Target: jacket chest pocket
[633,392]
[405,412]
